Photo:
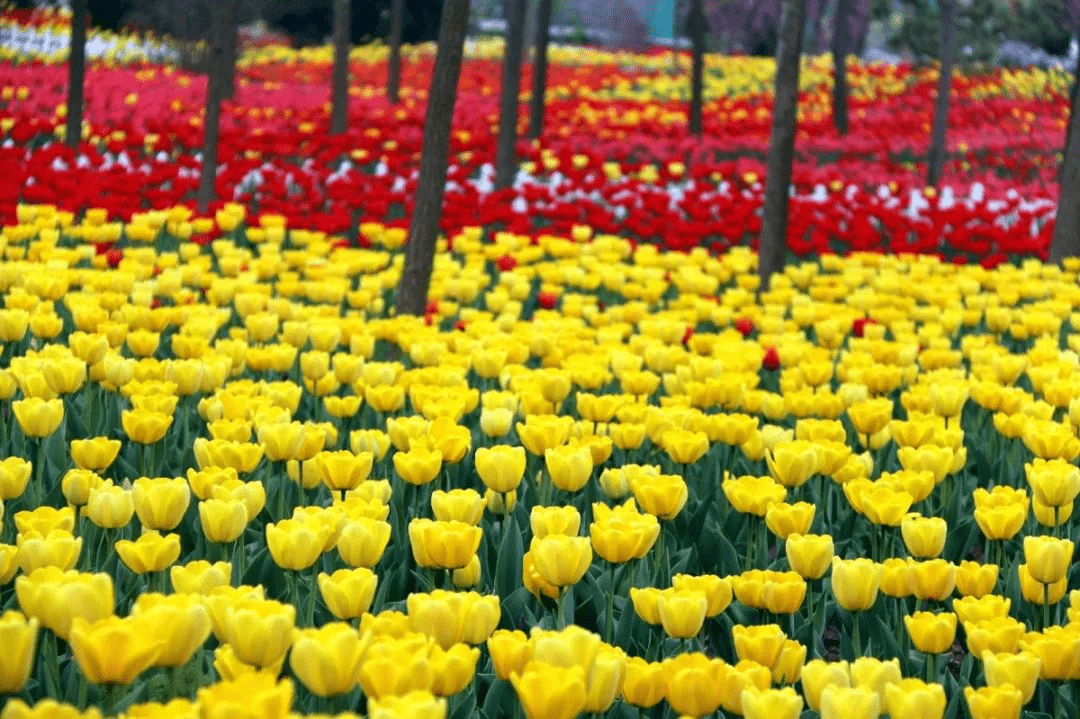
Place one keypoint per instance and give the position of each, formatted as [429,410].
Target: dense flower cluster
[594,477]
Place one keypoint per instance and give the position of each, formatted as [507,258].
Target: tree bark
[340,113]
[230,47]
[393,81]
[412,290]
[215,89]
[1066,238]
[506,145]
[774,221]
[935,160]
[697,71]
[540,67]
[76,74]
[1074,94]
[840,51]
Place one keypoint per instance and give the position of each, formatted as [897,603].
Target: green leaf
[885,636]
[499,701]
[508,564]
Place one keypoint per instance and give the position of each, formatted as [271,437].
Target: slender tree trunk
[697,72]
[424,230]
[76,74]
[540,67]
[231,47]
[840,50]
[393,81]
[339,121]
[506,145]
[1069,130]
[935,159]
[215,89]
[1066,239]
[774,221]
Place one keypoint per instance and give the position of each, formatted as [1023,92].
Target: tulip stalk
[609,619]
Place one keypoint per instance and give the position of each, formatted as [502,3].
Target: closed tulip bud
[145,426]
[690,684]
[109,506]
[55,549]
[855,583]
[786,596]
[1050,516]
[662,495]
[561,560]
[972,609]
[14,476]
[182,620]
[363,541]
[976,580]
[260,631]
[684,446]
[646,601]
[294,544]
[923,536]
[734,680]
[254,695]
[76,486]
[45,519]
[915,699]
[994,635]
[997,702]
[784,519]
[443,545]
[9,564]
[549,692]
[18,636]
[498,503]
[462,505]
[934,579]
[151,552]
[38,417]
[373,441]
[808,554]
[222,521]
[789,664]
[1047,558]
[761,644]
[160,503]
[753,495]
[792,463]
[1058,649]
[682,612]
[114,650]
[1054,483]
[870,416]
[717,590]
[1039,593]
[418,466]
[343,470]
[510,652]
[282,441]
[496,421]
[1020,670]
[545,521]
[96,454]
[771,704]
[1001,516]
[348,593]
[500,467]
[621,537]
[885,506]
[327,660]
[199,576]
[931,633]
[643,683]
[469,575]
[818,674]
[452,669]
[569,466]
[849,703]
[875,674]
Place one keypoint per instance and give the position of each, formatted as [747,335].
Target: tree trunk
[840,50]
[339,120]
[393,81]
[540,66]
[230,47]
[935,159]
[215,89]
[1066,239]
[424,229]
[506,145]
[774,221]
[697,72]
[76,74]
[1069,130]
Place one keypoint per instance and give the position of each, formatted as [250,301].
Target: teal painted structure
[661,18]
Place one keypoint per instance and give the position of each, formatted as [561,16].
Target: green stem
[310,602]
[111,699]
[856,636]
[609,619]
[560,618]
[931,668]
[294,590]
[1046,608]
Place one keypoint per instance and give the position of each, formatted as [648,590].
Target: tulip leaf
[508,564]
[499,701]
[885,636]
[467,707]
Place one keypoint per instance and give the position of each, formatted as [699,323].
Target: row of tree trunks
[506,144]
[540,68]
[393,80]
[340,103]
[935,160]
[697,69]
[222,31]
[76,73]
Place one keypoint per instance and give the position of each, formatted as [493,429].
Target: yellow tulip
[114,650]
